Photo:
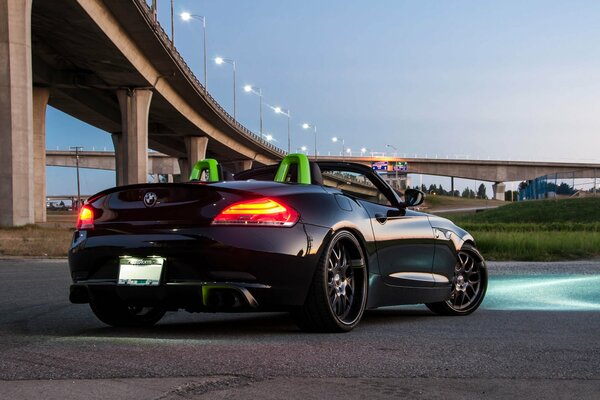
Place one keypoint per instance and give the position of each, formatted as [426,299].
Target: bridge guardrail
[164,38]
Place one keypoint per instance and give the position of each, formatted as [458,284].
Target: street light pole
[204,37]
[307,126]
[287,113]
[336,139]
[257,91]
[221,60]
[154,9]
[393,147]
[77,148]
[172,22]
[186,16]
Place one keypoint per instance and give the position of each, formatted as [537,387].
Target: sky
[464,78]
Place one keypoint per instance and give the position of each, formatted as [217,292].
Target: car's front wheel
[469,284]
[116,313]
[338,294]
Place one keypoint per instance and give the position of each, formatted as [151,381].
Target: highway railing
[189,74]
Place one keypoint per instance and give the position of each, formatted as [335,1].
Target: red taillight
[258,212]
[85,220]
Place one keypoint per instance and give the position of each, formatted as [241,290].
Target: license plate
[140,271]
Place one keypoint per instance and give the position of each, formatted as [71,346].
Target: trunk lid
[160,205]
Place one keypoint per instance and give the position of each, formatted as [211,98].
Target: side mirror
[413,198]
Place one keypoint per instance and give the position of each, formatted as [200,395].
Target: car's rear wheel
[116,313]
[469,284]
[338,295]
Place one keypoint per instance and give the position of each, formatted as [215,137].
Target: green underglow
[544,292]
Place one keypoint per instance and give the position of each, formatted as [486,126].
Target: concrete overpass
[158,163]
[496,171]
[110,64]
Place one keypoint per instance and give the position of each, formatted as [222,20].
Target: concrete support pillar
[245,165]
[131,145]
[499,188]
[184,169]
[196,150]
[119,154]
[40,102]
[16,114]
[239,166]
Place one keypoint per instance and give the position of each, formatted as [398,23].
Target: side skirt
[381,294]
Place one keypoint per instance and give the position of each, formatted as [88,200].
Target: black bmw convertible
[322,240]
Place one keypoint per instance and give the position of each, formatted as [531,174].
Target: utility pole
[172,22]
[77,148]
[154,9]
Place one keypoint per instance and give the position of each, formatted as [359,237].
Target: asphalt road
[537,335]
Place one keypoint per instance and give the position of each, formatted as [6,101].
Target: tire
[469,284]
[118,314]
[337,296]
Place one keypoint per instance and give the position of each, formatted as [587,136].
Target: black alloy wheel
[338,295]
[469,284]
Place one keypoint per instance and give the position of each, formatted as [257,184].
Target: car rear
[196,246]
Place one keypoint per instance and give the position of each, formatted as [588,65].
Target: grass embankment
[50,239]
[435,203]
[34,240]
[537,230]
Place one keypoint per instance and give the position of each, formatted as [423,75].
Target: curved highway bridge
[110,64]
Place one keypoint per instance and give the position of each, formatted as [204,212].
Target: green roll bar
[303,168]
[210,165]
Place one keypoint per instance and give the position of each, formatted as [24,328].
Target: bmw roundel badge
[150,199]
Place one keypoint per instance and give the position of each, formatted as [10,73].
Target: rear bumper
[205,268]
[192,296]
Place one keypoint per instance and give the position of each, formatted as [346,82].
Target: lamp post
[257,91]
[186,16]
[308,126]
[172,23]
[221,60]
[363,151]
[153,9]
[279,110]
[393,147]
[77,149]
[336,139]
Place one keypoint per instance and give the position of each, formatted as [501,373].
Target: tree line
[562,189]
[467,192]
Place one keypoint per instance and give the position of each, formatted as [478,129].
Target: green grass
[537,230]
[37,241]
[585,210]
[538,245]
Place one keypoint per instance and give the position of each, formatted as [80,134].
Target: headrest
[315,174]
[211,166]
[297,165]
